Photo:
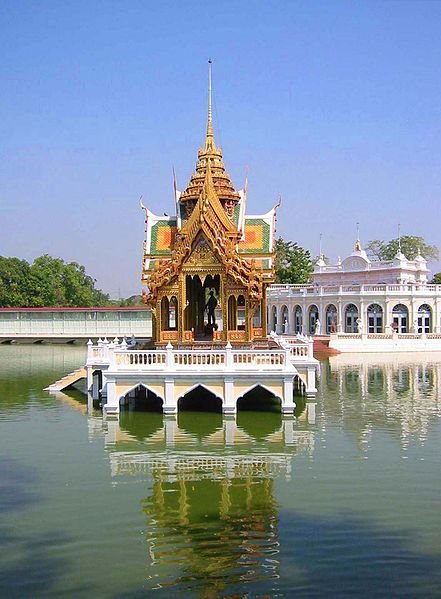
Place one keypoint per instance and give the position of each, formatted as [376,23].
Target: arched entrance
[298,320]
[400,318]
[424,323]
[200,399]
[331,319]
[375,318]
[259,399]
[351,316]
[203,299]
[142,399]
[313,316]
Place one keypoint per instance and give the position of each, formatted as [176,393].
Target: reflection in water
[389,392]
[212,519]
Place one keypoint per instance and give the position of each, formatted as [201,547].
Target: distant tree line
[47,282]
[51,282]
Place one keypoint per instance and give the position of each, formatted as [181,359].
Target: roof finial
[399,238]
[209,139]
[357,246]
[320,245]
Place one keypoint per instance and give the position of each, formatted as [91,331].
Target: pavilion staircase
[68,381]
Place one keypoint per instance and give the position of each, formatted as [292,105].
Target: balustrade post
[169,357]
[228,356]
[89,351]
[287,357]
[106,349]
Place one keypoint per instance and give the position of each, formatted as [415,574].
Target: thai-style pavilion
[206,271]
[207,267]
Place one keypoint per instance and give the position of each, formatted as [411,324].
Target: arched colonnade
[353,316]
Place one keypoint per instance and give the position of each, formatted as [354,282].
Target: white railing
[298,291]
[301,347]
[119,357]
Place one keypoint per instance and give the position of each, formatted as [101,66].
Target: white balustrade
[118,357]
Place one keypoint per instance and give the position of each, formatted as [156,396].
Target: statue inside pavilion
[206,268]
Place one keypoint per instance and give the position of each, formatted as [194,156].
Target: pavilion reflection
[211,515]
[395,392]
[212,520]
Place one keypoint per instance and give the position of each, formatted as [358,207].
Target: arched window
[285,320]
[257,318]
[241,313]
[424,323]
[173,314]
[331,319]
[232,313]
[298,319]
[273,319]
[351,317]
[375,318]
[164,313]
[312,320]
[400,318]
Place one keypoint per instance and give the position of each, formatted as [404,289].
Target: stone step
[68,380]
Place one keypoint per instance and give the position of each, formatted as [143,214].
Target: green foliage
[410,245]
[293,263]
[47,282]
[436,280]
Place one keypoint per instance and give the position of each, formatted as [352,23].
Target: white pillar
[229,404]
[340,323]
[288,404]
[170,405]
[112,405]
[89,383]
[436,313]
[96,385]
[279,326]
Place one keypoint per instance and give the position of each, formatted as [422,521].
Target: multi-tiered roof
[210,206]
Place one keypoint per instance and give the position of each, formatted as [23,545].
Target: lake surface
[346,504]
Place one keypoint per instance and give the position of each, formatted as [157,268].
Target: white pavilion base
[114,371]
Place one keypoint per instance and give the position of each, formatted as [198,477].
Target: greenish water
[348,504]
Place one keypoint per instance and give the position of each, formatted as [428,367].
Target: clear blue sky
[334,105]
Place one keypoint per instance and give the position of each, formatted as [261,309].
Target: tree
[293,263]
[436,280]
[47,282]
[15,282]
[410,246]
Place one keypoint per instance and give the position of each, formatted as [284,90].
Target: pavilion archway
[199,399]
[259,398]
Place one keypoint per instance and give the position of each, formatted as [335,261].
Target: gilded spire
[209,141]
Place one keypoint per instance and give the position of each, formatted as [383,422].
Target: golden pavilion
[206,269]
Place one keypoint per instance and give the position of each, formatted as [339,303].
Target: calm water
[346,505]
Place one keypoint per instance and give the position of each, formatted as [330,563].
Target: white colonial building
[357,299]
